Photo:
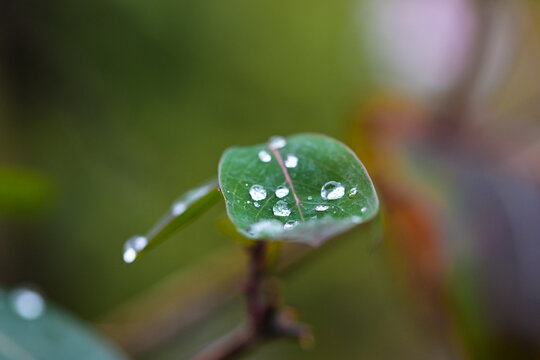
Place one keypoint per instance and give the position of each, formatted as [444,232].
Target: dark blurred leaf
[305,188]
[31,329]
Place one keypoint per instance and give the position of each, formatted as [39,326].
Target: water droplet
[289,225]
[352,192]
[248,202]
[281,208]
[27,303]
[332,190]
[257,192]
[277,142]
[291,161]
[264,156]
[321,207]
[310,197]
[133,246]
[129,255]
[282,191]
[256,204]
[178,208]
[138,242]
[363,210]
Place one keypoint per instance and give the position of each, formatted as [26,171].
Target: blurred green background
[110,109]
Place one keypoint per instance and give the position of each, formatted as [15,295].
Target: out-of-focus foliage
[31,329]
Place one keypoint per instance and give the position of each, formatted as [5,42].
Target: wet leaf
[31,329]
[183,210]
[304,188]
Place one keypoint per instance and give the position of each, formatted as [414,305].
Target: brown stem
[265,319]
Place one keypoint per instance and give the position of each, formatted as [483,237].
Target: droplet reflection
[257,192]
[291,161]
[281,208]
[264,156]
[332,190]
[282,191]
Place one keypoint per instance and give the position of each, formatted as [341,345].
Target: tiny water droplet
[281,208]
[282,191]
[291,161]
[321,207]
[264,156]
[27,303]
[256,204]
[138,242]
[310,197]
[332,190]
[352,192]
[277,142]
[363,210]
[257,192]
[289,225]
[248,202]
[178,208]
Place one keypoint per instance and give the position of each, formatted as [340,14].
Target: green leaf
[31,329]
[304,188]
[183,210]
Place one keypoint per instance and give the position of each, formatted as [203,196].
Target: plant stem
[265,319]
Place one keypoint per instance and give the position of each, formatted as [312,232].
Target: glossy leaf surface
[304,188]
[183,210]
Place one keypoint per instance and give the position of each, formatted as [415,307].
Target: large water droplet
[264,156]
[352,192]
[277,142]
[257,192]
[289,225]
[321,207]
[332,190]
[282,191]
[291,161]
[27,303]
[281,208]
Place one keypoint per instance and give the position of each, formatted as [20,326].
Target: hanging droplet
[133,246]
[264,156]
[277,142]
[282,191]
[289,225]
[352,192]
[257,192]
[27,303]
[291,161]
[281,208]
[332,190]
[321,207]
